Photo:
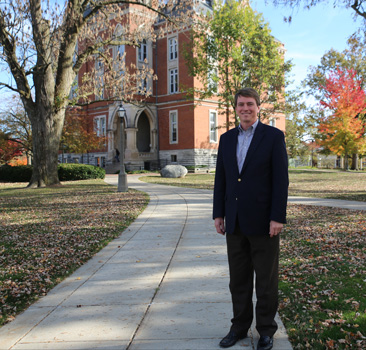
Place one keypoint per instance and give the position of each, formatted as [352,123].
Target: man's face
[247,111]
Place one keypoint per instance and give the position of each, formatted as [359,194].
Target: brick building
[168,128]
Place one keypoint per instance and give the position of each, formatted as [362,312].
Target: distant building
[169,128]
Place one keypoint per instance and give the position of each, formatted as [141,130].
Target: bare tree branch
[8,42]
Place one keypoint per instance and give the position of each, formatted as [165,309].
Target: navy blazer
[258,194]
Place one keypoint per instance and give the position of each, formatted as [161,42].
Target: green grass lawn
[45,234]
[328,184]
[306,182]
[323,278]
[323,260]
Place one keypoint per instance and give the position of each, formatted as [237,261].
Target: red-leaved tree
[342,128]
[8,150]
[79,134]
[44,45]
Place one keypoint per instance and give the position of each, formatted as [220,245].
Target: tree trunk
[345,161]
[354,165]
[46,131]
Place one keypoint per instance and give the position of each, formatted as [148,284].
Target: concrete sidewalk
[337,203]
[162,285]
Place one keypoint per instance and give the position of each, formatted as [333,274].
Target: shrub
[20,173]
[71,172]
[66,172]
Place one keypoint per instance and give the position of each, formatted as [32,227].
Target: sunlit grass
[307,182]
[323,260]
[322,278]
[47,233]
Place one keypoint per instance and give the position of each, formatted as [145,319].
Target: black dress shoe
[265,343]
[231,339]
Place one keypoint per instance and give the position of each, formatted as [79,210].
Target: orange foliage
[78,134]
[22,160]
[8,150]
[343,131]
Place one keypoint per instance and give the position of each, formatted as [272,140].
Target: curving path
[162,285]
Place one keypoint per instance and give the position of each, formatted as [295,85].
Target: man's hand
[275,228]
[220,226]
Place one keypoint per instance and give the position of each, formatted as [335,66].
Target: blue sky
[311,32]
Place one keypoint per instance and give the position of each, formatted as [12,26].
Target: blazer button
[239,180]
[236,199]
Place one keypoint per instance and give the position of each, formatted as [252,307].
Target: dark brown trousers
[246,255]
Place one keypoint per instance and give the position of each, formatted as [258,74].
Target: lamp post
[122,176]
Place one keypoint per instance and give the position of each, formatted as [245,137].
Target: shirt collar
[251,128]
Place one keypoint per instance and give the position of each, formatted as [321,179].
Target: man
[250,199]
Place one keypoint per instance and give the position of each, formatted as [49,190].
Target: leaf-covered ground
[334,184]
[45,234]
[323,278]
[323,260]
[308,183]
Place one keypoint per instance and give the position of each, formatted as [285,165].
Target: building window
[173,127]
[212,79]
[99,61]
[119,64]
[173,158]
[272,122]
[213,126]
[173,80]
[99,75]
[74,89]
[142,86]
[119,58]
[100,126]
[120,52]
[173,49]
[99,88]
[99,65]
[142,51]
[75,56]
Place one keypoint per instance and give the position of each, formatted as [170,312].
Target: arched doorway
[143,141]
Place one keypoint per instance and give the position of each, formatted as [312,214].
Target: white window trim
[118,33]
[97,121]
[171,126]
[143,86]
[173,73]
[210,80]
[173,48]
[212,111]
[141,50]
[117,52]
[272,122]
[99,66]
[99,63]
[99,75]
[100,88]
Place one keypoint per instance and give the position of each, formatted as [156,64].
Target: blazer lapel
[257,138]
[232,149]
